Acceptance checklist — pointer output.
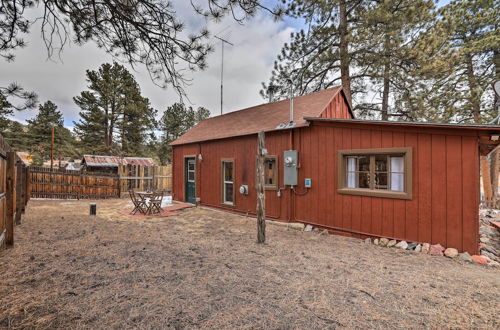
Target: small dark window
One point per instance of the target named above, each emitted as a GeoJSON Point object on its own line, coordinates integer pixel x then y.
{"type": "Point", "coordinates": [270, 173]}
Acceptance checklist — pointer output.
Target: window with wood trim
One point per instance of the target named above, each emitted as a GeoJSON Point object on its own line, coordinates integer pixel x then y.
{"type": "Point", "coordinates": [382, 172]}
{"type": "Point", "coordinates": [228, 182]}
{"type": "Point", "coordinates": [271, 172]}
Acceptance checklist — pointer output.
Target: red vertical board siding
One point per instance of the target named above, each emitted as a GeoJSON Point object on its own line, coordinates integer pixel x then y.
{"type": "Point", "coordinates": [376, 228]}
{"type": "Point", "coordinates": [438, 190]}
{"type": "Point", "coordinates": [356, 200]}
{"type": "Point", "coordinates": [366, 202]}
{"type": "Point", "coordinates": [454, 191]}
{"type": "Point", "coordinates": [470, 191]}
{"type": "Point", "coordinates": [399, 204]}
{"type": "Point", "coordinates": [411, 218]}
{"type": "Point", "coordinates": [387, 203]}
{"type": "Point", "coordinates": [337, 143]}
{"type": "Point", "coordinates": [346, 200]}
{"type": "Point", "coordinates": [425, 183]}
{"type": "Point", "coordinates": [445, 175]}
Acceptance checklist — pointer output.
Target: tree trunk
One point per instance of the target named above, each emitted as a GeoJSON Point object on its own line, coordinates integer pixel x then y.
{"type": "Point", "coordinates": [494, 173]}
{"type": "Point", "coordinates": [10, 198]}
{"type": "Point", "coordinates": [261, 197]}
{"type": "Point", "coordinates": [485, 173]}
{"type": "Point", "coordinates": [387, 73]}
{"type": "Point", "coordinates": [344, 50]}
{"type": "Point", "coordinates": [474, 97]}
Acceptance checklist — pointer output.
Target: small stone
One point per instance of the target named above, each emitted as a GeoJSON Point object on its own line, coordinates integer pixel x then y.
{"type": "Point", "coordinates": [484, 239]}
{"type": "Point", "coordinates": [368, 241]}
{"type": "Point", "coordinates": [480, 259]}
{"type": "Point", "coordinates": [402, 245]}
{"type": "Point", "coordinates": [391, 243]}
{"type": "Point", "coordinates": [383, 242]}
{"type": "Point", "coordinates": [425, 248]}
{"type": "Point", "coordinates": [487, 254]}
{"type": "Point", "coordinates": [375, 241]}
{"type": "Point", "coordinates": [412, 246]}
{"type": "Point", "coordinates": [418, 248]}
{"type": "Point", "coordinates": [465, 256]}
{"type": "Point", "coordinates": [308, 228]}
{"type": "Point", "coordinates": [451, 252]}
{"type": "Point", "coordinates": [436, 250]}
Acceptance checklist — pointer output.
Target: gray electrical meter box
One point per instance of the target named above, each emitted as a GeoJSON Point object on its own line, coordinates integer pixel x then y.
{"type": "Point", "coordinates": [291, 159]}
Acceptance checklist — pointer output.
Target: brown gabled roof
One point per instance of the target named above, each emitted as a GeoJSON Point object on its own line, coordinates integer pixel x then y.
{"type": "Point", "coordinates": [264, 117]}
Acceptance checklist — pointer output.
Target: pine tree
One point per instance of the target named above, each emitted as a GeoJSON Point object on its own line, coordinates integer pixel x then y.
{"type": "Point", "coordinates": [177, 120]}
{"type": "Point", "coordinates": [114, 118]}
{"type": "Point", "coordinates": [39, 133]}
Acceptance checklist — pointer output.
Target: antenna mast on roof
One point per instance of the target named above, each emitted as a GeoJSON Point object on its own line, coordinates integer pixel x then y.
{"type": "Point", "coordinates": [222, 72]}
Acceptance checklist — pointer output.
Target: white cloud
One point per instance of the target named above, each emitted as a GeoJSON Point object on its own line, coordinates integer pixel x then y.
{"type": "Point", "coordinates": [246, 65]}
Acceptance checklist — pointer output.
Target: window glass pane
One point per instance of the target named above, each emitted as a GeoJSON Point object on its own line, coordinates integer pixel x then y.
{"type": "Point", "coordinates": [351, 179]}
{"type": "Point", "coordinates": [228, 171]}
{"type": "Point", "coordinates": [363, 163]}
{"type": "Point", "coordinates": [381, 181]}
{"type": "Point", "coordinates": [397, 181]}
{"type": "Point", "coordinates": [363, 180]}
{"type": "Point", "coordinates": [351, 164]}
{"type": "Point", "coordinates": [191, 166]}
{"type": "Point", "coordinates": [228, 189]}
{"type": "Point", "coordinates": [397, 164]}
{"type": "Point", "coordinates": [381, 163]}
{"type": "Point", "coordinates": [190, 176]}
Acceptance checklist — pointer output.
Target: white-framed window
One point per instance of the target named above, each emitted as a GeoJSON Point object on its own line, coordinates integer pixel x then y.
{"type": "Point", "coordinates": [228, 181]}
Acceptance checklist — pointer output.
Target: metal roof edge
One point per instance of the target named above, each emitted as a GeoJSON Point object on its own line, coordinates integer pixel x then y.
{"type": "Point", "coordinates": [407, 123]}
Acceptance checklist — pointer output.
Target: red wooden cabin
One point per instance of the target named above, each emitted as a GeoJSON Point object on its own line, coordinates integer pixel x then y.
{"type": "Point", "coordinates": [417, 182]}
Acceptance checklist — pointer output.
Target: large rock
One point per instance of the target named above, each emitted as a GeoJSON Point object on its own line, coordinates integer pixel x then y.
{"type": "Point", "coordinates": [308, 228]}
{"type": "Point", "coordinates": [391, 243]}
{"type": "Point", "coordinates": [368, 241]}
{"type": "Point", "coordinates": [493, 264]}
{"type": "Point", "coordinates": [402, 245]}
{"type": "Point", "coordinates": [480, 259]}
{"type": "Point", "coordinates": [436, 250]}
{"type": "Point", "coordinates": [418, 248]}
{"type": "Point", "coordinates": [375, 241]}
{"type": "Point", "coordinates": [465, 257]}
{"type": "Point", "coordinates": [451, 252]}
{"type": "Point", "coordinates": [383, 242]}
{"type": "Point", "coordinates": [425, 248]}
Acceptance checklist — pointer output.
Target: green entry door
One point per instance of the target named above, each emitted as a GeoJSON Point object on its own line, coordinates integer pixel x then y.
{"type": "Point", "coordinates": [190, 176]}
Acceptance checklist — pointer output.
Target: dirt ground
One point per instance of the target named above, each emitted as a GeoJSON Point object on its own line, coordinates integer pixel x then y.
{"type": "Point", "coordinates": [203, 269]}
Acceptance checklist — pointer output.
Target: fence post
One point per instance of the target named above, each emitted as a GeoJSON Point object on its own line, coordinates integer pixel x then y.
{"type": "Point", "coordinates": [9, 199]}
{"type": "Point", "coordinates": [19, 191]}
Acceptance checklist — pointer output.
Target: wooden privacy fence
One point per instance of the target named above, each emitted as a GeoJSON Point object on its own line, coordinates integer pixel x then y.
{"type": "Point", "coordinates": [69, 184]}
{"type": "Point", "coordinates": [139, 177]}
{"type": "Point", "coordinates": [14, 192]}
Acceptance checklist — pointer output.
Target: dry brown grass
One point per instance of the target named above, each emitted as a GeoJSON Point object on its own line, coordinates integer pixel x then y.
{"type": "Point", "coordinates": [203, 269]}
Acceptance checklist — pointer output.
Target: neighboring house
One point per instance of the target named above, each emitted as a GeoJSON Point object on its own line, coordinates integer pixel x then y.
{"type": "Point", "coordinates": [109, 164]}
{"type": "Point", "coordinates": [25, 157]}
{"type": "Point", "coordinates": [410, 181]}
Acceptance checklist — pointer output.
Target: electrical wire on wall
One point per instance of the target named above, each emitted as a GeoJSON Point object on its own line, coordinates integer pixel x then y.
{"type": "Point", "coordinates": [300, 193]}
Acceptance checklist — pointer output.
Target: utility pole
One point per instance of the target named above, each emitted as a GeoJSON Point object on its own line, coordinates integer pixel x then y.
{"type": "Point", "coordinates": [222, 72]}
{"type": "Point", "coordinates": [52, 150]}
